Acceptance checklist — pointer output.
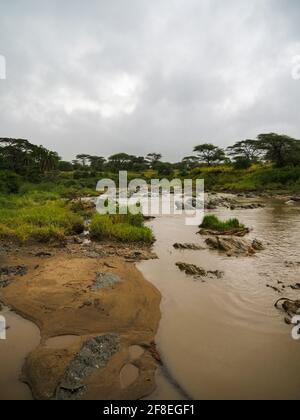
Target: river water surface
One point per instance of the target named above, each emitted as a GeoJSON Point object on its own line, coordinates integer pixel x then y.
{"type": "Point", "coordinates": [223, 339]}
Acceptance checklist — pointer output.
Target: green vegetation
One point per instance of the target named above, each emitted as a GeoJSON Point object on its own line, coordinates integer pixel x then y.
{"type": "Point", "coordinates": [32, 218]}
{"type": "Point", "coordinates": [211, 222]}
{"type": "Point", "coordinates": [123, 228]}
{"type": "Point", "coordinates": [38, 190]}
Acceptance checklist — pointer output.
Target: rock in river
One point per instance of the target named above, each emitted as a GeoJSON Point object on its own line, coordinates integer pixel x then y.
{"type": "Point", "coordinates": [234, 246]}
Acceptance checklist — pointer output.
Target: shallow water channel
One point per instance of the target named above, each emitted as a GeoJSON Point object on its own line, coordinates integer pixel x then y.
{"type": "Point", "coordinates": [223, 338]}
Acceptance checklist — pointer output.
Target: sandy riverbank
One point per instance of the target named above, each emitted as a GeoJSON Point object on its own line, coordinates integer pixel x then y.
{"type": "Point", "coordinates": [110, 355]}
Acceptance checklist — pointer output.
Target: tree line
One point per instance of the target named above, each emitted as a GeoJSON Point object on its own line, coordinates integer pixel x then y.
{"type": "Point", "coordinates": [26, 159]}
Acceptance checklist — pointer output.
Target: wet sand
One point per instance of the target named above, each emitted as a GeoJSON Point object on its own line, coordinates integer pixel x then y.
{"type": "Point", "coordinates": [57, 295]}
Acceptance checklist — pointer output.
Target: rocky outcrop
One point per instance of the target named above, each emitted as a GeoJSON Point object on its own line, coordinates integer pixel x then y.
{"type": "Point", "coordinates": [192, 247]}
{"type": "Point", "coordinates": [234, 246]}
{"type": "Point", "coordinates": [290, 307]}
{"type": "Point", "coordinates": [233, 232]}
{"type": "Point", "coordinates": [104, 281]}
{"type": "Point", "coordinates": [193, 270]}
{"type": "Point", "coordinates": [7, 273]}
{"type": "Point", "coordinates": [94, 355]}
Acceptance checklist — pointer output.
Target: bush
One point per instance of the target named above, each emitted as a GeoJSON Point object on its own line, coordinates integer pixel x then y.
{"type": "Point", "coordinates": [9, 182]}
{"type": "Point", "coordinates": [242, 163]}
{"type": "Point", "coordinates": [123, 228]}
{"type": "Point", "coordinates": [213, 223]}
{"type": "Point", "coordinates": [25, 219]}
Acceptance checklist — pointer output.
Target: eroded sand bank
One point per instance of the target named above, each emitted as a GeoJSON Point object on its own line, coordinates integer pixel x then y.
{"type": "Point", "coordinates": [58, 294]}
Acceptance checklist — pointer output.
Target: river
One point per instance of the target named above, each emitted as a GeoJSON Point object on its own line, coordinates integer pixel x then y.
{"type": "Point", "coordinates": [223, 339]}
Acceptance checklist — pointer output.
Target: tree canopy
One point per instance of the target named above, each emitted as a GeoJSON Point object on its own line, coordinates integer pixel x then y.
{"type": "Point", "coordinates": [209, 154]}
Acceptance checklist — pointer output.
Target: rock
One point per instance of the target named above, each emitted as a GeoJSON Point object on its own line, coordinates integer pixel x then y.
{"type": "Point", "coordinates": [43, 254]}
{"type": "Point", "coordinates": [274, 288]}
{"type": "Point", "coordinates": [94, 354]}
{"type": "Point", "coordinates": [250, 206]}
{"type": "Point", "coordinates": [105, 280]}
{"type": "Point", "coordinates": [4, 283]}
{"type": "Point", "coordinates": [288, 321]}
{"type": "Point", "coordinates": [191, 269]}
{"type": "Point", "coordinates": [216, 273]}
{"type": "Point", "coordinates": [19, 270]}
{"type": "Point", "coordinates": [296, 286]}
{"type": "Point", "coordinates": [192, 247]}
{"type": "Point", "coordinates": [233, 246]}
{"type": "Point", "coordinates": [78, 240]}
{"type": "Point", "coordinates": [257, 245]}
{"type": "Point", "coordinates": [7, 272]}
{"type": "Point", "coordinates": [233, 232]}
{"type": "Point", "coordinates": [291, 307]}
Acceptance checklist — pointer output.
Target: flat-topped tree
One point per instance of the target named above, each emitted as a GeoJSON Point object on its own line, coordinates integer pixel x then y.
{"type": "Point", "coordinates": [210, 154]}
{"type": "Point", "coordinates": [97, 162]}
{"type": "Point", "coordinates": [83, 159]}
{"type": "Point", "coordinates": [281, 150]}
{"type": "Point", "coordinates": [245, 149]}
{"type": "Point", "coordinates": [153, 159]}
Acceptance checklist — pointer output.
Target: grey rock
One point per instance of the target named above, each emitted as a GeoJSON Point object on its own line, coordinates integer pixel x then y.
{"type": "Point", "coordinates": [105, 280]}
{"type": "Point", "coordinates": [94, 354]}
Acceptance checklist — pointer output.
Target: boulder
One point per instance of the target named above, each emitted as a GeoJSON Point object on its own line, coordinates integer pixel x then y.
{"type": "Point", "coordinates": [234, 246]}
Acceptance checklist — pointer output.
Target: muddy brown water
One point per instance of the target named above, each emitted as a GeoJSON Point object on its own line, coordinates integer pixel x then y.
{"type": "Point", "coordinates": [22, 337]}
{"type": "Point", "coordinates": [223, 339]}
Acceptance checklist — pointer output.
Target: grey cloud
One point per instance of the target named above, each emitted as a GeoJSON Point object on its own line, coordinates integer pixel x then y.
{"type": "Point", "coordinates": [140, 76]}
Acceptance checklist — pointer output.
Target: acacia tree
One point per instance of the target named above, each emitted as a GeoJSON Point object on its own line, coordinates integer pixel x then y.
{"type": "Point", "coordinates": [121, 161]}
{"type": "Point", "coordinates": [209, 153]}
{"type": "Point", "coordinates": [96, 162]}
{"type": "Point", "coordinates": [83, 159]}
{"type": "Point", "coordinates": [245, 149]}
{"type": "Point", "coordinates": [282, 150]}
{"type": "Point", "coordinates": [153, 159]}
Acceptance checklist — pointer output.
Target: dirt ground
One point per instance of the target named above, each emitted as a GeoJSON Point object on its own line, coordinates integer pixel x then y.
{"type": "Point", "coordinates": [57, 295]}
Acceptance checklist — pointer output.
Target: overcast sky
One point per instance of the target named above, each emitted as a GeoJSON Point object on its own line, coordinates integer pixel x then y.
{"type": "Point", "coordinates": [141, 76]}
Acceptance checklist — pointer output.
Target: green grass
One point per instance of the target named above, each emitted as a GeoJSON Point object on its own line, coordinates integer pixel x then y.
{"type": "Point", "coordinates": [122, 228]}
{"type": "Point", "coordinates": [213, 223]}
{"type": "Point", "coordinates": [35, 218]}
{"type": "Point", "coordinates": [258, 177]}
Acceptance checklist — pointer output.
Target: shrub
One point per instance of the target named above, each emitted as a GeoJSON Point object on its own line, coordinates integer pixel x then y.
{"type": "Point", "coordinates": [123, 228]}
{"type": "Point", "coordinates": [9, 182]}
{"type": "Point", "coordinates": [242, 163]}
{"type": "Point", "coordinates": [25, 219]}
{"type": "Point", "coordinates": [213, 223]}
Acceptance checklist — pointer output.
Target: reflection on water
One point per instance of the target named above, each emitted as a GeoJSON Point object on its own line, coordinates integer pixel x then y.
{"type": "Point", "coordinates": [223, 339]}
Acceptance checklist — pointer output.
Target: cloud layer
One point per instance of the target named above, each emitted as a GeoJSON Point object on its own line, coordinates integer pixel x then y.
{"type": "Point", "coordinates": [148, 76]}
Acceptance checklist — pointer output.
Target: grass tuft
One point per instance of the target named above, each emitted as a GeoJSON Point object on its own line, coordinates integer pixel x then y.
{"type": "Point", "coordinates": [213, 223]}
{"type": "Point", "coordinates": [122, 228]}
